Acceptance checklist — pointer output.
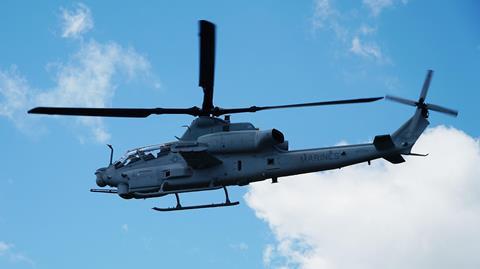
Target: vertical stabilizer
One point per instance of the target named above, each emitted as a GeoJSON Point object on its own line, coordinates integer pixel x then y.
{"type": "Point", "coordinates": [406, 136]}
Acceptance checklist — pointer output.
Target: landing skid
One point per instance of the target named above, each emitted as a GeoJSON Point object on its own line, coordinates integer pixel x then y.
{"type": "Point", "coordinates": [180, 207]}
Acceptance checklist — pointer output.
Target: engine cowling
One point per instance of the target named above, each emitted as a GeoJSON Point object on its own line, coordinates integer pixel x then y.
{"type": "Point", "coordinates": [241, 141]}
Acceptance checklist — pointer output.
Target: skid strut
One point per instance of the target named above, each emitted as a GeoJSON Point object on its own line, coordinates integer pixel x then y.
{"type": "Point", "coordinates": [180, 207]}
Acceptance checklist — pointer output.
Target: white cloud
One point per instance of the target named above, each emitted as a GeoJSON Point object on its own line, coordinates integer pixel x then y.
{"type": "Point", "coordinates": [21, 258]}
{"type": "Point", "coordinates": [424, 213]}
{"type": "Point", "coordinates": [4, 247]}
{"type": "Point", "coordinates": [76, 22]}
{"type": "Point", "coordinates": [7, 250]}
{"type": "Point", "coordinates": [267, 255]}
{"type": "Point", "coordinates": [353, 28]}
{"type": "Point", "coordinates": [88, 78]}
{"type": "Point", "coordinates": [327, 17]}
{"type": "Point", "coordinates": [368, 50]}
{"type": "Point", "coordinates": [367, 30]}
{"type": "Point", "coordinates": [15, 99]}
{"type": "Point", "coordinates": [376, 6]}
{"type": "Point", "coordinates": [14, 93]}
{"type": "Point", "coordinates": [242, 246]}
{"type": "Point", "coordinates": [322, 13]}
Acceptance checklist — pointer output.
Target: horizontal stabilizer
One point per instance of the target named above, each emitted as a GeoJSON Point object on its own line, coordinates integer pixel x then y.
{"type": "Point", "coordinates": [397, 158]}
{"type": "Point", "coordinates": [200, 159]}
{"type": "Point", "coordinates": [383, 142]}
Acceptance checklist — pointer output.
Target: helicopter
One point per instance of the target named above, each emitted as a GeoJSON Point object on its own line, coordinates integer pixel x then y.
{"type": "Point", "coordinates": [215, 153]}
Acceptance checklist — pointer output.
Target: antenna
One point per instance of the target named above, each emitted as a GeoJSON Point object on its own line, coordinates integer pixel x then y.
{"type": "Point", "coordinates": [111, 153]}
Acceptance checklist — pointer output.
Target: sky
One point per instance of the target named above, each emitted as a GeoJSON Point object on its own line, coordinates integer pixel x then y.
{"type": "Point", "coordinates": [420, 214]}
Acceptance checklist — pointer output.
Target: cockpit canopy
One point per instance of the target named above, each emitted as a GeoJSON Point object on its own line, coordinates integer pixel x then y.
{"type": "Point", "coordinates": [144, 153]}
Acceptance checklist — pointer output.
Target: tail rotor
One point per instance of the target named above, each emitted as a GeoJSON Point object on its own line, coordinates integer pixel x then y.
{"type": "Point", "coordinates": [420, 104]}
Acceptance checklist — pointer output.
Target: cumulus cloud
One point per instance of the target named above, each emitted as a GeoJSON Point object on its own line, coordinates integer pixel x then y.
{"type": "Point", "coordinates": [424, 213]}
{"type": "Point", "coordinates": [76, 22]}
{"type": "Point", "coordinates": [88, 78]}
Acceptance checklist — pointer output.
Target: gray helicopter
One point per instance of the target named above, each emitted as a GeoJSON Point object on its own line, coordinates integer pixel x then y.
{"type": "Point", "coordinates": [214, 153]}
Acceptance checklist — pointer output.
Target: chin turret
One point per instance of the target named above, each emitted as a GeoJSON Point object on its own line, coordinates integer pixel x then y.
{"type": "Point", "coordinates": [100, 177]}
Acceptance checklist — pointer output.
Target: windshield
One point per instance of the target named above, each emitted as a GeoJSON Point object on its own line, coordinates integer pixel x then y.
{"type": "Point", "coordinates": [144, 153]}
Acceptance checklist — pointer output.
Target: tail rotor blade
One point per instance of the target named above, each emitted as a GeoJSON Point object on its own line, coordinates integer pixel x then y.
{"type": "Point", "coordinates": [442, 109]}
{"type": "Point", "coordinates": [426, 85]}
{"type": "Point", "coordinates": [401, 100]}
{"type": "Point", "coordinates": [207, 62]}
{"type": "Point", "coordinates": [420, 104]}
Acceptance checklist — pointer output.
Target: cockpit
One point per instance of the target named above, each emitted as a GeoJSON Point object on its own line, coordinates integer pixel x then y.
{"type": "Point", "coordinates": [144, 153]}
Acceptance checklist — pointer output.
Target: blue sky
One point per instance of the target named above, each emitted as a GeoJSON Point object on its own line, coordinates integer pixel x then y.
{"type": "Point", "coordinates": [128, 54]}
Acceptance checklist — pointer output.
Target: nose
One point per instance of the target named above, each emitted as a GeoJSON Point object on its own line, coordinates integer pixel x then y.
{"type": "Point", "coordinates": [100, 177]}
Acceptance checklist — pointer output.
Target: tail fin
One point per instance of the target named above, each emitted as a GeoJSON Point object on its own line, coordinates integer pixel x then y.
{"type": "Point", "coordinates": [406, 136]}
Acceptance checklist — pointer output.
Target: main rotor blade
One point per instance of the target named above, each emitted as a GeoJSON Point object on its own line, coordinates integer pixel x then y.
{"type": "Point", "coordinates": [113, 112]}
{"type": "Point", "coordinates": [207, 63]}
{"type": "Point", "coordinates": [221, 111]}
{"type": "Point", "coordinates": [426, 85]}
{"type": "Point", "coordinates": [401, 100]}
{"type": "Point", "coordinates": [442, 109]}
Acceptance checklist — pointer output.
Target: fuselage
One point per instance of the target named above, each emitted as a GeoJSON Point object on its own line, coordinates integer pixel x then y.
{"type": "Point", "coordinates": [214, 153]}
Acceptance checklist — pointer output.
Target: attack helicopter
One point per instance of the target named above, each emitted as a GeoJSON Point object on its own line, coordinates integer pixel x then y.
{"type": "Point", "coordinates": [215, 153]}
